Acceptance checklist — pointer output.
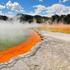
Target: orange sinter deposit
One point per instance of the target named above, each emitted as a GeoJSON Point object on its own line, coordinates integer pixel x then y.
{"type": "Point", "coordinates": [20, 49]}
{"type": "Point", "coordinates": [64, 28]}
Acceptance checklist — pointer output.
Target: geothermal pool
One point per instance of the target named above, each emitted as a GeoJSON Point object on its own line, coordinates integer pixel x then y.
{"type": "Point", "coordinates": [12, 35]}
{"type": "Point", "coordinates": [16, 40]}
{"type": "Point", "coordinates": [12, 40]}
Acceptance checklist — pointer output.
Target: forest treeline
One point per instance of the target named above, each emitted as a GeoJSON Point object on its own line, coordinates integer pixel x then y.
{"type": "Point", "coordinates": [55, 19]}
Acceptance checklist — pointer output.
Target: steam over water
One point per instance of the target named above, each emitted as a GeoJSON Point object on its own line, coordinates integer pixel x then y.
{"type": "Point", "coordinates": [12, 33]}
{"type": "Point", "coordinates": [11, 30]}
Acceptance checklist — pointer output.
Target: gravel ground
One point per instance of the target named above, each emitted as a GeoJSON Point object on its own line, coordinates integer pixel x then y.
{"type": "Point", "coordinates": [51, 54]}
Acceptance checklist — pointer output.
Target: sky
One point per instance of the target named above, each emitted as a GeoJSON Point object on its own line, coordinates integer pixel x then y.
{"type": "Point", "coordinates": [35, 7]}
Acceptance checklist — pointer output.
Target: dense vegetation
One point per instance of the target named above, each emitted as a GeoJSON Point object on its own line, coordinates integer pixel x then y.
{"type": "Point", "coordinates": [55, 19]}
{"type": "Point", "coordinates": [3, 17]}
